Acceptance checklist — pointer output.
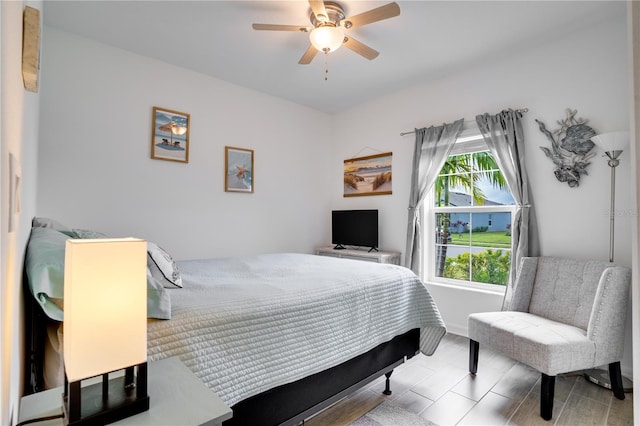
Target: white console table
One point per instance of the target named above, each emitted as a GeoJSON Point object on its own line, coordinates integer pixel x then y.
{"type": "Point", "coordinates": [392, 257]}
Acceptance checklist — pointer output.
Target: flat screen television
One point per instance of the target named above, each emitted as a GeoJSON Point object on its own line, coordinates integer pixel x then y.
{"type": "Point", "coordinates": [354, 228]}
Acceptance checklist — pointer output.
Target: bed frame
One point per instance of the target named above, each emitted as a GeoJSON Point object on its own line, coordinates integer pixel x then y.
{"type": "Point", "coordinates": [288, 404]}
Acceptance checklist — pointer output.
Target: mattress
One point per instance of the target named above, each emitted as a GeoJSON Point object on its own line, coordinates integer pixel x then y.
{"type": "Point", "coordinates": [247, 324]}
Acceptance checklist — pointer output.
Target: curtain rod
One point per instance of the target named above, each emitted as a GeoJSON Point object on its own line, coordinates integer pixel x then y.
{"type": "Point", "coordinates": [521, 110]}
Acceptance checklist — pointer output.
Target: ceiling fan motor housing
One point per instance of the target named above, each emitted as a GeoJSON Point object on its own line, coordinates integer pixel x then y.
{"type": "Point", "coordinates": [335, 14]}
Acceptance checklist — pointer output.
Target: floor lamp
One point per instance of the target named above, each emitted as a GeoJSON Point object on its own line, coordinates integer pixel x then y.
{"type": "Point", "coordinates": [613, 144]}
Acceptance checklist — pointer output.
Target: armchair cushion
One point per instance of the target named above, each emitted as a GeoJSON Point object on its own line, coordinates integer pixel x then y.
{"type": "Point", "coordinates": [546, 345]}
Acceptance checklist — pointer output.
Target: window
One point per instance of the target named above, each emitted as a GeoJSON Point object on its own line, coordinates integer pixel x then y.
{"type": "Point", "coordinates": [470, 242]}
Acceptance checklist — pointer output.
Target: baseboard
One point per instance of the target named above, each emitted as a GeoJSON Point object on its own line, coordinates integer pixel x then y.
{"type": "Point", "coordinates": [459, 330]}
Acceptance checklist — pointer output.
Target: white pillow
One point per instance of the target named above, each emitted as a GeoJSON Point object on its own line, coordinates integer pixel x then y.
{"type": "Point", "coordinates": [162, 266]}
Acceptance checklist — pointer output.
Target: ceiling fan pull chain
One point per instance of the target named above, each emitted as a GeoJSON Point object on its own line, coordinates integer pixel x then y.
{"type": "Point", "coordinates": [326, 66]}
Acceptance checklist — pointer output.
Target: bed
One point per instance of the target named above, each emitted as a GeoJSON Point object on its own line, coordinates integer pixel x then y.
{"type": "Point", "coordinates": [278, 337]}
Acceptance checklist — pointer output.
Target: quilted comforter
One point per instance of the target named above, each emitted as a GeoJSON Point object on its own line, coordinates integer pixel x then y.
{"type": "Point", "coordinates": [245, 325]}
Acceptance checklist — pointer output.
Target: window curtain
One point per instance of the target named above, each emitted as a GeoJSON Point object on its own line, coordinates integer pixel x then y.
{"type": "Point", "coordinates": [432, 147]}
{"type": "Point", "coordinates": [503, 134]}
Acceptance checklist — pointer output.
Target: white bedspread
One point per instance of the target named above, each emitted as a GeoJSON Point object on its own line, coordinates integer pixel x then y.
{"type": "Point", "coordinates": [245, 325]}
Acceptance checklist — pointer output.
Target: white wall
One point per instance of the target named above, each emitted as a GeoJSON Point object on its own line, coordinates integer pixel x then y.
{"type": "Point", "coordinates": [586, 71]}
{"type": "Point", "coordinates": [19, 129]}
{"type": "Point", "coordinates": [96, 171]}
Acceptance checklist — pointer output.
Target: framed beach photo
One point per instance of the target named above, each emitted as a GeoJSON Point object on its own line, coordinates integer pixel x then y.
{"type": "Point", "coordinates": [369, 175]}
{"type": "Point", "coordinates": [170, 135]}
{"type": "Point", "coordinates": [238, 166]}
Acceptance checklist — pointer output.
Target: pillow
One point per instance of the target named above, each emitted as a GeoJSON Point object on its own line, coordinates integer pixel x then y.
{"type": "Point", "coordinates": [45, 222]}
{"type": "Point", "coordinates": [44, 264]}
{"type": "Point", "coordinates": [86, 233]}
{"type": "Point", "coordinates": [162, 266]}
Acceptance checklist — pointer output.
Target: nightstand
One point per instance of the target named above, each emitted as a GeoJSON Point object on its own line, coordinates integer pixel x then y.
{"type": "Point", "coordinates": [177, 396]}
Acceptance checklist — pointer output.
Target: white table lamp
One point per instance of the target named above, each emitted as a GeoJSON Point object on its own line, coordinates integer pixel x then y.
{"type": "Point", "coordinates": [105, 329]}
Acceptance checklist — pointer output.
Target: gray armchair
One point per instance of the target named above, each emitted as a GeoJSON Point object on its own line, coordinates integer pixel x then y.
{"type": "Point", "coordinates": [565, 315]}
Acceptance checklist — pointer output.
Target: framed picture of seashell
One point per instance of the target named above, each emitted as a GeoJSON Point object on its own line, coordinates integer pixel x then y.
{"type": "Point", "coordinates": [238, 166]}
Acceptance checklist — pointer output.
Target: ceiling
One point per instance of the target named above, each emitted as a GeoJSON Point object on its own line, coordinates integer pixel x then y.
{"type": "Point", "coordinates": [428, 40]}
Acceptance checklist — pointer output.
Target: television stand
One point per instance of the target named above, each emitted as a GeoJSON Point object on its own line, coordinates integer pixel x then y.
{"type": "Point", "coordinates": [341, 247]}
{"type": "Point", "coordinates": [392, 257]}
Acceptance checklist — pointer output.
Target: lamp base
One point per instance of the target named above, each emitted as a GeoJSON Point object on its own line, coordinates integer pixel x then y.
{"type": "Point", "coordinates": [601, 378]}
{"type": "Point", "coordinates": [107, 401]}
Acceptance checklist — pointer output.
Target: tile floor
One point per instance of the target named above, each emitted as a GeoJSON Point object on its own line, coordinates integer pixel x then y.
{"type": "Point", "coordinates": [504, 392]}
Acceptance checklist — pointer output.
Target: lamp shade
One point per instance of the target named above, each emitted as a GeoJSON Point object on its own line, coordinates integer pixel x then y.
{"type": "Point", "coordinates": [327, 38]}
{"type": "Point", "coordinates": [614, 141]}
{"type": "Point", "coordinates": [105, 306]}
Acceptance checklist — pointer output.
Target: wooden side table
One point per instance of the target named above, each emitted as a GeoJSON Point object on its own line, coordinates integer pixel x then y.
{"type": "Point", "coordinates": [177, 396]}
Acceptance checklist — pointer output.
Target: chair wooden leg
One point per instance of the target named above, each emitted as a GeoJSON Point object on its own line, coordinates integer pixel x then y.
{"type": "Point", "coordinates": [547, 388]}
{"type": "Point", "coordinates": [473, 356]}
{"type": "Point", "coordinates": [615, 375]}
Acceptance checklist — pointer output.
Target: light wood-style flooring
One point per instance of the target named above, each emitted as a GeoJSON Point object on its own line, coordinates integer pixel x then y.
{"type": "Point", "coordinates": [504, 392]}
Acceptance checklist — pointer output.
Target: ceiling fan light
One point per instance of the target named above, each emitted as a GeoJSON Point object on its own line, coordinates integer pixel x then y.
{"type": "Point", "coordinates": [327, 38]}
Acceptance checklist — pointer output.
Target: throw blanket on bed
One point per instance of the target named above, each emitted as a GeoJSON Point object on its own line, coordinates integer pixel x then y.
{"type": "Point", "coordinates": [245, 325]}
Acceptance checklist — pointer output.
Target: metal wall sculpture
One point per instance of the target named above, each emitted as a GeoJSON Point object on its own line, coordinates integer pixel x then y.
{"type": "Point", "coordinates": [571, 147]}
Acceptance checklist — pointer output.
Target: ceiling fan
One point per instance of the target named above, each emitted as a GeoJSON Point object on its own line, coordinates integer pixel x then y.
{"type": "Point", "coordinates": [327, 32]}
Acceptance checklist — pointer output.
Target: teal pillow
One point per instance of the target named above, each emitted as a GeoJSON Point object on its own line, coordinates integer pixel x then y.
{"type": "Point", "coordinates": [45, 222]}
{"type": "Point", "coordinates": [87, 233]}
{"type": "Point", "coordinates": [44, 265]}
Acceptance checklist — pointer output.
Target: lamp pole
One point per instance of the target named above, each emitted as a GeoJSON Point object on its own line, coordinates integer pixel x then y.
{"type": "Point", "coordinates": [597, 375]}
{"type": "Point", "coordinates": [613, 163]}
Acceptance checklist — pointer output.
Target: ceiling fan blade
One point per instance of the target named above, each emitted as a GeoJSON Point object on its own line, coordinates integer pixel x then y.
{"type": "Point", "coordinates": [271, 27]}
{"type": "Point", "coordinates": [308, 56]}
{"type": "Point", "coordinates": [378, 14]}
{"type": "Point", "coordinates": [320, 12]}
{"type": "Point", "coordinates": [360, 48]}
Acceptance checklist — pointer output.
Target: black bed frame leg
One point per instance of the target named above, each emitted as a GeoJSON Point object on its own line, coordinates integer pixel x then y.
{"type": "Point", "coordinates": [387, 385]}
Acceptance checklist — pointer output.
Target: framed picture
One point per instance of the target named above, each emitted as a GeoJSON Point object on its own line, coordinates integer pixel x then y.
{"type": "Point", "coordinates": [369, 175]}
{"type": "Point", "coordinates": [170, 135]}
{"type": "Point", "coordinates": [238, 166]}
{"type": "Point", "coordinates": [30, 48]}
